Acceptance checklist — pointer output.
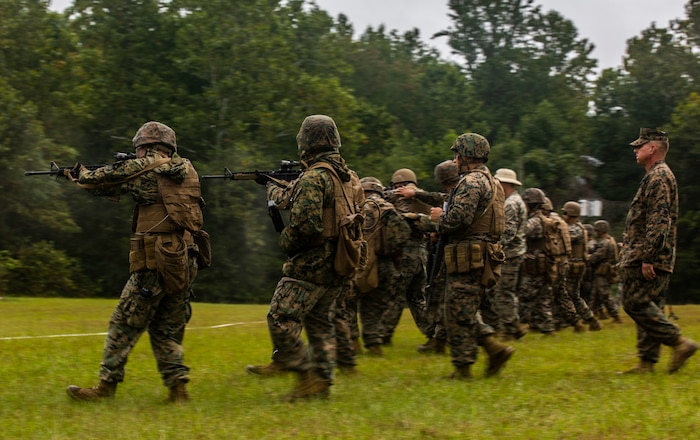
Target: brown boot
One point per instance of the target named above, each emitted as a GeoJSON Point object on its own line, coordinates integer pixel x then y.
{"type": "Point", "coordinates": [433, 345]}
{"type": "Point", "coordinates": [644, 367]}
{"type": "Point", "coordinates": [311, 386]}
{"type": "Point", "coordinates": [357, 346]}
{"type": "Point", "coordinates": [461, 373]}
{"type": "Point", "coordinates": [594, 325]}
{"type": "Point", "coordinates": [101, 391]}
{"type": "Point", "coordinates": [274, 368]}
{"type": "Point", "coordinates": [579, 327]}
{"type": "Point", "coordinates": [603, 315]}
{"type": "Point", "coordinates": [498, 354]}
{"type": "Point", "coordinates": [617, 320]}
{"type": "Point", "coordinates": [178, 392]}
{"type": "Point", "coordinates": [682, 351]}
{"type": "Point", "coordinates": [375, 350]}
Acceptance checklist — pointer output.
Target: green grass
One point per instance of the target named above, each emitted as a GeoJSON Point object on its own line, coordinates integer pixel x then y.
{"type": "Point", "coordinates": [563, 387]}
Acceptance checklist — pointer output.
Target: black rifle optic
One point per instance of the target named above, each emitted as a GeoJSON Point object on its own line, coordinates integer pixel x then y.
{"type": "Point", "coordinates": [58, 171]}
{"type": "Point", "coordinates": [289, 170]}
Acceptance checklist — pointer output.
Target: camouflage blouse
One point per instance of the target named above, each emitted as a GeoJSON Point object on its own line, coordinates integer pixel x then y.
{"type": "Point", "coordinates": [650, 229]}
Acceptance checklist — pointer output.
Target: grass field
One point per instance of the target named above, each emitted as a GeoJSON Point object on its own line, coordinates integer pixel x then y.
{"type": "Point", "coordinates": [564, 387]}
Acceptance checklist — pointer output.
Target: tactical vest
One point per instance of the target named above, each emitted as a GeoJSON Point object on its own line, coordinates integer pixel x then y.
{"type": "Point", "coordinates": [176, 208]}
{"type": "Point", "coordinates": [492, 221]}
{"type": "Point", "coordinates": [578, 249]}
{"type": "Point", "coordinates": [341, 206]}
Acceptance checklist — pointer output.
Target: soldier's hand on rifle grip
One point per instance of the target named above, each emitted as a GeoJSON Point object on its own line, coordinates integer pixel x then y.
{"type": "Point", "coordinates": [261, 179]}
{"type": "Point", "coordinates": [75, 171]}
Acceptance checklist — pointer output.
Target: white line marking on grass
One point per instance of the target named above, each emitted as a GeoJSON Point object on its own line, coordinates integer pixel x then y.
{"type": "Point", "coordinates": [74, 335]}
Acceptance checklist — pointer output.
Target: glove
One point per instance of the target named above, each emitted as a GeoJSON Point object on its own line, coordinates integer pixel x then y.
{"type": "Point", "coordinates": [261, 179]}
{"type": "Point", "coordinates": [75, 171]}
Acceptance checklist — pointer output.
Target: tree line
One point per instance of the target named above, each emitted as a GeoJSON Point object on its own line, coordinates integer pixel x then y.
{"type": "Point", "coordinates": [235, 80]}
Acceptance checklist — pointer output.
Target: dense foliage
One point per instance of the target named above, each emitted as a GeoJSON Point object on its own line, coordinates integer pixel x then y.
{"type": "Point", "coordinates": [235, 79]}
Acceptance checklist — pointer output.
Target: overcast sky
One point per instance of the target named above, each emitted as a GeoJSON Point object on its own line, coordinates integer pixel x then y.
{"type": "Point", "coordinates": [606, 23]}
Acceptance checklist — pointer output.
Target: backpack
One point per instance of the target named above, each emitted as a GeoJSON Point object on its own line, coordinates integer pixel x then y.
{"type": "Point", "coordinates": [367, 279]}
{"type": "Point", "coordinates": [351, 250]}
{"type": "Point", "coordinates": [556, 237]}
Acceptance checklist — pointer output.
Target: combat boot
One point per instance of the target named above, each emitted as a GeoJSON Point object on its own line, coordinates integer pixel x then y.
{"type": "Point", "coordinates": [178, 392]}
{"type": "Point", "coordinates": [357, 346]}
{"type": "Point", "coordinates": [602, 315]}
{"type": "Point", "coordinates": [617, 319]}
{"type": "Point", "coordinates": [461, 373]}
{"type": "Point", "coordinates": [311, 386]}
{"type": "Point", "coordinates": [594, 325]}
{"type": "Point", "coordinates": [274, 368]}
{"type": "Point", "coordinates": [683, 349]}
{"type": "Point", "coordinates": [498, 354]}
{"type": "Point", "coordinates": [101, 391]}
{"type": "Point", "coordinates": [644, 367]}
{"type": "Point", "coordinates": [579, 327]}
{"type": "Point", "coordinates": [375, 350]}
{"type": "Point", "coordinates": [434, 345]}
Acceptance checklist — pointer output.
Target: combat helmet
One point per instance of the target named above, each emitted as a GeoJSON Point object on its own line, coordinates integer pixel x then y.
{"type": "Point", "coordinates": [472, 145]}
{"type": "Point", "coordinates": [372, 184]}
{"type": "Point", "coordinates": [572, 209]}
{"type": "Point", "coordinates": [446, 173]}
{"type": "Point", "coordinates": [547, 205]}
{"type": "Point", "coordinates": [404, 175]}
{"type": "Point", "coordinates": [153, 132]}
{"type": "Point", "coordinates": [533, 196]}
{"type": "Point", "coordinates": [318, 133]}
{"type": "Point", "coordinates": [601, 226]}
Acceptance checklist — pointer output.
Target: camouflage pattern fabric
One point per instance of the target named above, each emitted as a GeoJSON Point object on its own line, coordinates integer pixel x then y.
{"type": "Point", "coordinates": [602, 253]}
{"type": "Point", "coordinates": [535, 290]}
{"type": "Point", "coordinates": [464, 292]}
{"type": "Point", "coordinates": [373, 305]}
{"type": "Point", "coordinates": [344, 324]}
{"type": "Point", "coordinates": [650, 236]}
{"type": "Point", "coordinates": [563, 309]}
{"type": "Point", "coordinates": [143, 305]}
{"type": "Point", "coordinates": [306, 295]}
{"type": "Point", "coordinates": [573, 281]}
{"type": "Point", "coordinates": [503, 297]}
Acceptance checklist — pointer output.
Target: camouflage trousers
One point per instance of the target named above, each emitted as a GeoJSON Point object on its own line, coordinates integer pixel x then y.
{"type": "Point", "coordinates": [463, 322]}
{"type": "Point", "coordinates": [410, 291]}
{"type": "Point", "coordinates": [573, 289]}
{"type": "Point", "coordinates": [436, 310]}
{"type": "Point", "coordinates": [644, 302]}
{"type": "Point", "coordinates": [144, 306]}
{"type": "Point", "coordinates": [535, 302]}
{"type": "Point", "coordinates": [563, 308]}
{"type": "Point", "coordinates": [502, 313]}
{"type": "Point", "coordinates": [601, 297]}
{"type": "Point", "coordinates": [345, 324]}
{"type": "Point", "coordinates": [298, 305]}
{"type": "Point", "coordinates": [373, 305]}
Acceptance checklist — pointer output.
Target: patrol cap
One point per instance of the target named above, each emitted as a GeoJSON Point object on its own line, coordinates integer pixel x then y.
{"type": "Point", "coordinates": [649, 134]}
{"type": "Point", "coordinates": [507, 175]}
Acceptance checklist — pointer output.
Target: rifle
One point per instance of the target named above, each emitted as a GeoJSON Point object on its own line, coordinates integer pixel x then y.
{"type": "Point", "coordinates": [287, 172]}
{"type": "Point", "coordinates": [438, 256]}
{"type": "Point", "coordinates": [55, 170]}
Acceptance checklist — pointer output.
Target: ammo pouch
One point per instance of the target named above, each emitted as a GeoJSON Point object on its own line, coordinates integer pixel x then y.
{"type": "Point", "coordinates": [576, 269]}
{"type": "Point", "coordinates": [172, 262]}
{"type": "Point", "coordinates": [495, 257]}
{"type": "Point", "coordinates": [142, 253]}
{"type": "Point", "coordinates": [463, 257]}
{"type": "Point", "coordinates": [535, 264]}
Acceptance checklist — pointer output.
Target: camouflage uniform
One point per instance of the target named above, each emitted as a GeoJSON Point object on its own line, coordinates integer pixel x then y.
{"type": "Point", "coordinates": [577, 268]}
{"type": "Point", "coordinates": [464, 291]}
{"type": "Point", "coordinates": [535, 289]}
{"type": "Point", "coordinates": [395, 232]}
{"type": "Point", "coordinates": [602, 258]}
{"type": "Point", "coordinates": [305, 296]}
{"type": "Point", "coordinates": [563, 308]}
{"type": "Point", "coordinates": [650, 236]}
{"type": "Point", "coordinates": [503, 297]}
{"type": "Point", "coordinates": [413, 267]}
{"type": "Point", "coordinates": [147, 303]}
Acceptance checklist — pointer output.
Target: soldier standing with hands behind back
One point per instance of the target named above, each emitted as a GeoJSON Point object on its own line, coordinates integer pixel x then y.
{"type": "Point", "coordinates": [649, 254]}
